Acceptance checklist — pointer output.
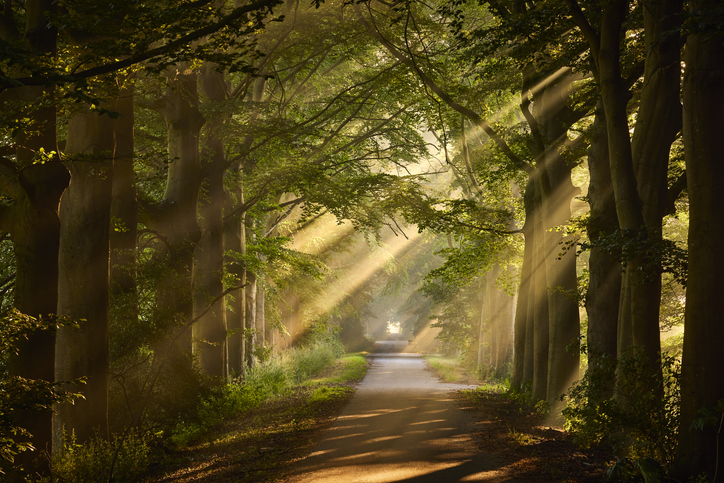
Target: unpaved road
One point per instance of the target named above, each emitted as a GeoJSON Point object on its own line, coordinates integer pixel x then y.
{"type": "Point", "coordinates": [402, 425]}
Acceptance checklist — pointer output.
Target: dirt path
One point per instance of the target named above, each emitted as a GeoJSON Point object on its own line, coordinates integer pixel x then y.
{"type": "Point", "coordinates": [402, 425]}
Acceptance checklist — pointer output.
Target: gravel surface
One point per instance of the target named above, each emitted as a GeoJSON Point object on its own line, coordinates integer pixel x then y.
{"type": "Point", "coordinates": [402, 425]}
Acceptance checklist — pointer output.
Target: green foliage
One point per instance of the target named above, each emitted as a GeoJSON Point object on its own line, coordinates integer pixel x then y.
{"type": "Point", "coordinates": [354, 367]}
{"type": "Point", "coordinates": [122, 459]}
{"type": "Point", "coordinates": [659, 255]}
{"type": "Point", "coordinates": [628, 469]}
{"type": "Point", "coordinates": [314, 357]}
{"type": "Point", "coordinates": [638, 422]}
{"type": "Point", "coordinates": [155, 389]}
{"type": "Point", "coordinates": [19, 393]}
{"type": "Point", "coordinates": [326, 394]}
{"type": "Point", "coordinates": [264, 381]}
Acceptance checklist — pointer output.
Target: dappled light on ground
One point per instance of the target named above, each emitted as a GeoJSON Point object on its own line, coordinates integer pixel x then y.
{"type": "Point", "coordinates": [402, 425]}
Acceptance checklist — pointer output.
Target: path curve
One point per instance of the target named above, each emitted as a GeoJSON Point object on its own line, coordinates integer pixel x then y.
{"type": "Point", "coordinates": [402, 425]}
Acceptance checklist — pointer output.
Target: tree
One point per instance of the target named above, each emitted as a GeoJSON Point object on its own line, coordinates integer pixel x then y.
{"type": "Point", "coordinates": [699, 449]}
{"type": "Point", "coordinates": [34, 181]}
{"type": "Point", "coordinates": [83, 286]}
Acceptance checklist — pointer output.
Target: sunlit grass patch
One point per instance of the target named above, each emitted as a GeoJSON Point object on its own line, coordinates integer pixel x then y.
{"type": "Point", "coordinates": [447, 367]}
{"type": "Point", "coordinates": [258, 444]}
{"type": "Point", "coordinates": [349, 368]}
{"type": "Point", "coordinates": [522, 438]}
{"type": "Point", "coordinates": [326, 394]}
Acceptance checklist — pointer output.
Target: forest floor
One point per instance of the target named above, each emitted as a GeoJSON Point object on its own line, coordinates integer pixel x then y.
{"type": "Point", "coordinates": [262, 445]}
{"type": "Point", "coordinates": [537, 450]}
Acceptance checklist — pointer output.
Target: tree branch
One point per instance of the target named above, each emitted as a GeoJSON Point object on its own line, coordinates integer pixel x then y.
{"type": "Point", "coordinates": [445, 97]}
{"type": "Point", "coordinates": [171, 46]}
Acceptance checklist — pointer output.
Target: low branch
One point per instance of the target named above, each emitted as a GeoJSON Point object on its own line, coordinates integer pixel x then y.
{"type": "Point", "coordinates": [236, 14]}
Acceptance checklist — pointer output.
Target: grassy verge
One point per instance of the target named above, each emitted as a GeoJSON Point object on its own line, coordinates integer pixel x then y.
{"type": "Point", "coordinates": [262, 442]}
{"type": "Point", "coordinates": [452, 369]}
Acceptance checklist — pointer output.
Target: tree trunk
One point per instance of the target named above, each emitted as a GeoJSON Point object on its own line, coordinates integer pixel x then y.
{"type": "Point", "coordinates": [36, 241]}
{"type": "Point", "coordinates": [210, 330]}
{"type": "Point", "coordinates": [124, 217]}
{"type": "Point", "coordinates": [35, 228]}
{"type": "Point", "coordinates": [250, 318]}
{"type": "Point", "coordinates": [530, 242]}
{"type": "Point", "coordinates": [602, 298]}
{"type": "Point", "coordinates": [481, 322]}
{"type": "Point", "coordinates": [540, 304]}
{"type": "Point", "coordinates": [638, 168]}
{"type": "Point", "coordinates": [178, 222]}
{"type": "Point", "coordinates": [234, 240]}
{"type": "Point", "coordinates": [702, 385]}
{"type": "Point", "coordinates": [520, 339]}
{"type": "Point", "coordinates": [260, 317]}
{"type": "Point", "coordinates": [83, 287]}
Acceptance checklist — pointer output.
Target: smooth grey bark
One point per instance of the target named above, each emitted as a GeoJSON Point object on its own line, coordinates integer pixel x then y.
{"type": "Point", "coordinates": [602, 297]}
{"type": "Point", "coordinates": [35, 190]}
{"type": "Point", "coordinates": [261, 325]}
{"type": "Point", "coordinates": [124, 214]}
{"type": "Point", "coordinates": [541, 314]}
{"type": "Point", "coordinates": [520, 338]}
{"type": "Point", "coordinates": [702, 385]}
{"type": "Point", "coordinates": [529, 296]}
{"type": "Point", "coordinates": [250, 330]}
{"type": "Point", "coordinates": [657, 124]}
{"type": "Point", "coordinates": [176, 217]}
{"type": "Point", "coordinates": [83, 287]}
{"type": "Point", "coordinates": [210, 331]}
{"type": "Point", "coordinates": [234, 241]}
{"type": "Point", "coordinates": [638, 167]}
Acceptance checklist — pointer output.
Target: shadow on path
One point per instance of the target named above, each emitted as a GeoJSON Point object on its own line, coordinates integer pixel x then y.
{"type": "Point", "coordinates": [402, 425]}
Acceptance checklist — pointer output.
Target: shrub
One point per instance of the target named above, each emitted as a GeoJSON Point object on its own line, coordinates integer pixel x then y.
{"type": "Point", "coordinates": [264, 381]}
{"type": "Point", "coordinates": [19, 394]}
{"type": "Point", "coordinates": [638, 423]}
{"type": "Point", "coordinates": [127, 458]}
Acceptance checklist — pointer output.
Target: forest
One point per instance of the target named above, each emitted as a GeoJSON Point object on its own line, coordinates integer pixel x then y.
{"type": "Point", "coordinates": [192, 189]}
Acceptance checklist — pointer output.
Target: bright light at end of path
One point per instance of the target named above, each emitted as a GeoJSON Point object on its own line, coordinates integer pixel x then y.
{"type": "Point", "coordinates": [394, 327]}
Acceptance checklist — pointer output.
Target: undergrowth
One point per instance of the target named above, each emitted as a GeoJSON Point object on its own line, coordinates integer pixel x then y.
{"type": "Point", "coordinates": [639, 422]}
{"type": "Point", "coordinates": [128, 457]}
{"type": "Point", "coordinates": [122, 459]}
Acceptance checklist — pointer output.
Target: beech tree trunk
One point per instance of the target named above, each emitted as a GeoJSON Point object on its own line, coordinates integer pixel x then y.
{"type": "Point", "coordinates": [234, 240]}
{"type": "Point", "coordinates": [177, 218]}
{"type": "Point", "coordinates": [638, 167]}
{"type": "Point", "coordinates": [83, 288]}
{"type": "Point", "coordinates": [35, 189]}
{"type": "Point", "coordinates": [250, 318]}
{"type": "Point", "coordinates": [702, 385]}
{"type": "Point", "coordinates": [541, 319]}
{"type": "Point", "coordinates": [520, 338]}
{"type": "Point", "coordinates": [124, 216]}
{"type": "Point", "coordinates": [209, 331]}
{"type": "Point", "coordinates": [261, 331]}
{"type": "Point", "coordinates": [529, 295]}
{"type": "Point", "coordinates": [35, 227]}
{"type": "Point", "coordinates": [657, 124]}
{"type": "Point", "coordinates": [602, 298]}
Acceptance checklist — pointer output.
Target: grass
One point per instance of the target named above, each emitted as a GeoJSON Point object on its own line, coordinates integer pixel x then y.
{"type": "Point", "coordinates": [447, 368]}
{"type": "Point", "coordinates": [348, 368]}
{"type": "Point", "coordinates": [273, 412]}
{"type": "Point", "coordinates": [452, 369]}
{"type": "Point", "coordinates": [261, 442]}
